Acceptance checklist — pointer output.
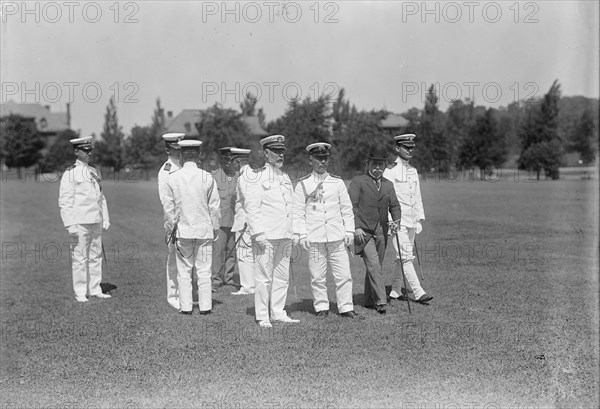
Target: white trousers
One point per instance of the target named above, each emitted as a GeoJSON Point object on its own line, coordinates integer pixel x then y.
{"type": "Point", "coordinates": [319, 256]}
{"type": "Point", "coordinates": [194, 253]}
{"type": "Point", "coordinates": [172, 289]}
{"type": "Point", "coordinates": [245, 259]}
{"type": "Point", "coordinates": [271, 278]}
{"type": "Point", "coordinates": [86, 259]}
{"type": "Point", "coordinates": [407, 243]}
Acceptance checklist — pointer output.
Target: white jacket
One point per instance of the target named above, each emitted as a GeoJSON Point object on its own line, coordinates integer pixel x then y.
{"type": "Point", "coordinates": [269, 209]}
{"type": "Point", "coordinates": [80, 198]}
{"type": "Point", "coordinates": [405, 178]}
{"type": "Point", "coordinates": [192, 201]}
{"type": "Point", "coordinates": [322, 208]}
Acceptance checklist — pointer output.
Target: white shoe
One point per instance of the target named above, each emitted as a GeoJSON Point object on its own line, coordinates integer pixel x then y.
{"type": "Point", "coordinates": [102, 295]}
{"type": "Point", "coordinates": [265, 324]}
{"type": "Point", "coordinates": [242, 292]}
{"type": "Point", "coordinates": [286, 320]}
{"type": "Point", "coordinates": [174, 303]}
{"type": "Point", "coordinates": [394, 294]}
{"type": "Point", "coordinates": [81, 299]}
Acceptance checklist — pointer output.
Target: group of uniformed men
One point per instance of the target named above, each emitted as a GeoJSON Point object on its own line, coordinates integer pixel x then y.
{"type": "Point", "coordinates": [256, 217]}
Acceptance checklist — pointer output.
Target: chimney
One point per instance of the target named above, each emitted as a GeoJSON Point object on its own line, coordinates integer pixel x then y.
{"type": "Point", "coordinates": [68, 115]}
{"type": "Point", "coordinates": [169, 114]}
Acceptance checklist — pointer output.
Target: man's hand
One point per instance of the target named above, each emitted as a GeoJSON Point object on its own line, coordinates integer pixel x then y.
{"type": "Point", "coordinates": [105, 226]}
{"type": "Point", "coordinates": [360, 234]}
{"type": "Point", "coordinates": [304, 243]}
{"type": "Point", "coordinates": [73, 235]}
{"type": "Point", "coordinates": [418, 227]}
{"type": "Point", "coordinates": [260, 241]}
{"type": "Point", "coordinates": [295, 239]}
{"type": "Point", "coordinates": [349, 239]}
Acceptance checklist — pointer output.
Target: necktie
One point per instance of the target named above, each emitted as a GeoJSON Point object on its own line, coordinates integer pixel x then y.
{"type": "Point", "coordinates": [378, 183]}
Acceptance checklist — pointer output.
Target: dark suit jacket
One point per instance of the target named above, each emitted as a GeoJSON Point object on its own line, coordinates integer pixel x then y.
{"type": "Point", "coordinates": [371, 206]}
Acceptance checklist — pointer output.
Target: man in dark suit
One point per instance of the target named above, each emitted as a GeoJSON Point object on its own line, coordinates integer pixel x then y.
{"type": "Point", "coordinates": [372, 198]}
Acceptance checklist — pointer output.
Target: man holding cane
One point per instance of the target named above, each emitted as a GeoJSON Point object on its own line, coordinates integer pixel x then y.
{"type": "Point", "coordinates": [406, 184]}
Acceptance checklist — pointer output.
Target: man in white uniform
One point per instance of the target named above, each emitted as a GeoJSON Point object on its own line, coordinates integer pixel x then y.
{"type": "Point", "coordinates": [324, 226]}
{"type": "Point", "coordinates": [192, 210]}
{"type": "Point", "coordinates": [269, 217]}
{"type": "Point", "coordinates": [85, 215]}
{"type": "Point", "coordinates": [408, 190]}
{"type": "Point", "coordinates": [172, 164]}
{"type": "Point", "coordinates": [245, 258]}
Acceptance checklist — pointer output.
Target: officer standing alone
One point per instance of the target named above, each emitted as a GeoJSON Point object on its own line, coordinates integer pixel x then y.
{"type": "Point", "coordinates": [85, 215]}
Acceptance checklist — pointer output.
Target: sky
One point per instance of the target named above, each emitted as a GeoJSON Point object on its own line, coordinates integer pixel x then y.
{"type": "Point", "coordinates": [385, 54]}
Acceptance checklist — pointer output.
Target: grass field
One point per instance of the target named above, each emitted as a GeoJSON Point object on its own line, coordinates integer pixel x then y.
{"type": "Point", "coordinates": [513, 267]}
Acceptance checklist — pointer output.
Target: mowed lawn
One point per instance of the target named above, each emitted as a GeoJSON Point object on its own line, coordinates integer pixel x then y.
{"type": "Point", "coordinates": [513, 267]}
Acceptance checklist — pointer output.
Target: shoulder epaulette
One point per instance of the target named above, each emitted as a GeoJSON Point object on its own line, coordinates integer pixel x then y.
{"type": "Point", "coordinates": [335, 176]}
{"type": "Point", "coordinates": [391, 165]}
{"type": "Point", "coordinates": [167, 167]}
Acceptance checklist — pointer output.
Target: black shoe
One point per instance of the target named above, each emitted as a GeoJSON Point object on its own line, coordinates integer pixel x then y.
{"type": "Point", "coordinates": [425, 298]}
{"type": "Point", "coordinates": [370, 306]}
{"type": "Point", "coordinates": [349, 314]}
{"type": "Point", "coordinates": [185, 312]}
{"type": "Point", "coordinates": [206, 312]}
{"type": "Point", "coordinates": [322, 314]}
{"type": "Point", "coordinates": [381, 309]}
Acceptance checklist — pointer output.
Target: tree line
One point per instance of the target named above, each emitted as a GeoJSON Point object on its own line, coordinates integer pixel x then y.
{"type": "Point", "coordinates": [538, 132]}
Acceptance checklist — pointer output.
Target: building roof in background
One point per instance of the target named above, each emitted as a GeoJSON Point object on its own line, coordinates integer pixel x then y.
{"type": "Point", "coordinates": [46, 121]}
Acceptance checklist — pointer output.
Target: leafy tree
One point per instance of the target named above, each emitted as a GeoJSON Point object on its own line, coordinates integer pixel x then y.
{"type": "Point", "coordinates": [138, 149]}
{"type": "Point", "coordinates": [109, 151]}
{"type": "Point", "coordinates": [20, 141]}
{"type": "Point", "coordinates": [432, 148]}
{"type": "Point", "coordinates": [60, 154]}
{"type": "Point", "coordinates": [483, 146]}
{"type": "Point", "coordinates": [583, 137]}
{"type": "Point", "coordinates": [221, 127]}
{"type": "Point", "coordinates": [302, 124]}
{"type": "Point", "coordinates": [460, 117]}
{"type": "Point", "coordinates": [541, 146]}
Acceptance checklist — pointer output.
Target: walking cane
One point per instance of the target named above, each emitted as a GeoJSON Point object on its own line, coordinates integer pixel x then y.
{"type": "Point", "coordinates": [419, 260]}
{"type": "Point", "coordinates": [231, 250]}
{"type": "Point", "coordinates": [105, 261]}
{"type": "Point", "coordinates": [395, 229]}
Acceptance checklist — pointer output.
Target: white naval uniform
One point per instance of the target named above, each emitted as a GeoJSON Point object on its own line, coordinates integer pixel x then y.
{"type": "Point", "coordinates": [192, 202]}
{"type": "Point", "coordinates": [167, 168]}
{"type": "Point", "coordinates": [408, 189]}
{"type": "Point", "coordinates": [269, 212]}
{"type": "Point", "coordinates": [82, 204]}
{"type": "Point", "coordinates": [323, 215]}
{"type": "Point", "coordinates": [245, 257]}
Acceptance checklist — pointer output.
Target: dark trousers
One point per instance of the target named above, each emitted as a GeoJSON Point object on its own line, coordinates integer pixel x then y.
{"type": "Point", "coordinates": [373, 254]}
{"type": "Point", "coordinates": [223, 260]}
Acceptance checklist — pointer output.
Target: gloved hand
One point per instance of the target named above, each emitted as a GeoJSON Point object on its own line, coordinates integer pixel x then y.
{"type": "Point", "coordinates": [105, 225]}
{"type": "Point", "coordinates": [72, 231]}
{"type": "Point", "coordinates": [304, 243]}
{"type": "Point", "coordinates": [418, 227]}
{"type": "Point", "coordinates": [260, 241]}
{"type": "Point", "coordinates": [360, 234]}
{"type": "Point", "coordinates": [348, 239]}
